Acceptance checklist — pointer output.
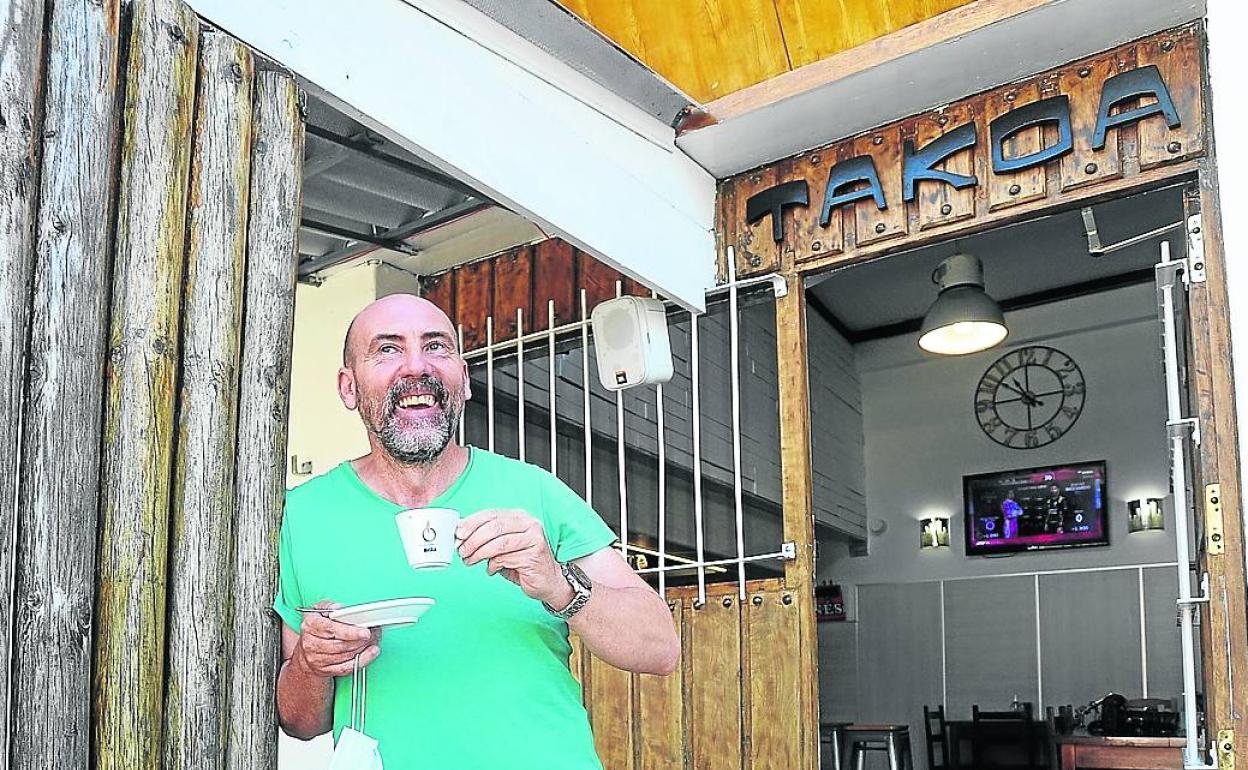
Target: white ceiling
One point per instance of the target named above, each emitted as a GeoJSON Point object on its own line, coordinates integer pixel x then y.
{"type": "Point", "coordinates": [1037, 256]}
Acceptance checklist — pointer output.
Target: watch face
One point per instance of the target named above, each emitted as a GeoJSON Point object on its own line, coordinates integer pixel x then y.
{"type": "Point", "coordinates": [579, 575]}
{"type": "Point", "coordinates": [1030, 397]}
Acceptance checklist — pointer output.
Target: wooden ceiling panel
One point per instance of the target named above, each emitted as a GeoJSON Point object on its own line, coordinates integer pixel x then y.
{"type": "Point", "coordinates": [715, 47]}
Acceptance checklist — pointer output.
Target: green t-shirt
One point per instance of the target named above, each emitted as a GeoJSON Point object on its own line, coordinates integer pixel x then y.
{"type": "Point", "coordinates": [481, 682]}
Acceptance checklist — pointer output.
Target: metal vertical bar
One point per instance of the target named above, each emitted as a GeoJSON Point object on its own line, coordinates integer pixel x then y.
{"type": "Point", "coordinates": [459, 330]}
{"type": "Point", "coordinates": [520, 378]}
{"type": "Point", "coordinates": [734, 347]}
{"type": "Point", "coordinates": [1143, 637]}
{"type": "Point", "coordinates": [662, 488]}
{"type": "Point", "coordinates": [697, 454]}
{"type": "Point", "coordinates": [1039, 658]}
{"type": "Point", "coordinates": [944, 652]}
{"type": "Point", "coordinates": [489, 380]}
{"type": "Point", "coordinates": [621, 456]}
{"type": "Point", "coordinates": [1179, 482]}
{"type": "Point", "coordinates": [550, 361]}
{"type": "Point", "coordinates": [585, 393]}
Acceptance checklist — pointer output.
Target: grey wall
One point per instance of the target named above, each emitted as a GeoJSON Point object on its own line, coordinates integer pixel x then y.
{"type": "Point", "coordinates": [837, 450]}
{"type": "Point", "coordinates": [974, 621]}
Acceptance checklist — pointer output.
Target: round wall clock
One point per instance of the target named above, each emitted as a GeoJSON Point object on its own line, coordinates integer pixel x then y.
{"type": "Point", "coordinates": [1030, 397]}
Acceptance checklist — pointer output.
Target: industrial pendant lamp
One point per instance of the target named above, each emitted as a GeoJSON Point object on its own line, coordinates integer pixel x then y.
{"type": "Point", "coordinates": [963, 319]}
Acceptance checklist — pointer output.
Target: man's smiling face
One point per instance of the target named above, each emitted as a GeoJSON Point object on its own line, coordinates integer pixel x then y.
{"type": "Point", "coordinates": [402, 370]}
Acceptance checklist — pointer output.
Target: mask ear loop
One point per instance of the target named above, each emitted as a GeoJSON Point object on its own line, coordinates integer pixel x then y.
{"type": "Point", "coordinates": [356, 685]}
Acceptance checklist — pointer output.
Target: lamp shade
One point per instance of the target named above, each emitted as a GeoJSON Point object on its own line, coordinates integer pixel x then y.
{"type": "Point", "coordinates": [1145, 514]}
{"type": "Point", "coordinates": [963, 319]}
{"type": "Point", "coordinates": [934, 532]}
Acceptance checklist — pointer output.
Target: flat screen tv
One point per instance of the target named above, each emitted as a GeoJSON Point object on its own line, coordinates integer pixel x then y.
{"type": "Point", "coordinates": [1058, 506]}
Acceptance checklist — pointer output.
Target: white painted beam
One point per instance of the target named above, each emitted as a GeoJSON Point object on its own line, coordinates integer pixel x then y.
{"type": "Point", "coordinates": [910, 82]}
{"type": "Point", "coordinates": [475, 100]}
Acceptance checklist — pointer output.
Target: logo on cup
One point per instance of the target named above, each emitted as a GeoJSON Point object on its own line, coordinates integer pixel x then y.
{"type": "Point", "coordinates": [428, 536]}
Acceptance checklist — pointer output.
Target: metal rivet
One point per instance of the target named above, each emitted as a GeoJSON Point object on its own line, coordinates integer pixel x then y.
{"type": "Point", "coordinates": [1015, 189]}
{"type": "Point", "coordinates": [727, 601]}
{"type": "Point", "coordinates": [880, 227]}
{"type": "Point", "coordinates": [877, 140]}
{"type": "Point", "coordinates": [1167, 46]}
{"type": "Point", "coordinates": [1011, 96]}
{"type": "Point", "coordinates": [755, 260]}
{"type": "Point", "coordinates": [788, 599]}
{"type": "Point", "coordinates": [755, 179]}
{"type": "Point", "coordinates": [1090, 168]}
{"type": "Point", "coordinates": [1085, 71]}
{"type": "Point", "coordinates": [814, 160]}
{"type": "Point", "coordinates": [1174, 147]}
{"type": "Point", "coordinates": [943, 120]}
{"type": "Point", "coordinates": [1195, 229]}
{"type": "Point", "coordinates": [816, 246]}
{"type": "Point", "coordinates": [758, 601]}
{"type": "Point", "coordinates": [1200, 266]}
{"type": "Point", "coordinates": [236, 71]}
{"type": "Point", "coordinates": [945, 209]}
{"type": "Point", "coordinates": [698, 604]}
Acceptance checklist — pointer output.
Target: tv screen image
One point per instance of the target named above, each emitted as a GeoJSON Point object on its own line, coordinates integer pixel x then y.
{"type": "Point", "coordinates": [1059, 506]}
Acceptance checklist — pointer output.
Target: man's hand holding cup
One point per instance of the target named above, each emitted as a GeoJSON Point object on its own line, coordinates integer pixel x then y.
{"type": "Point", "coordinates": [513, 543]}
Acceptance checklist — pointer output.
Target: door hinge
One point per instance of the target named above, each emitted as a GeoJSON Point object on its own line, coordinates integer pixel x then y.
{"type": "Point", "coordinates": [1216, 538]}
{"type": "Point", "coordinates": [1195, 250]}
{"type": "Point", "coordinates": [1226, 750]}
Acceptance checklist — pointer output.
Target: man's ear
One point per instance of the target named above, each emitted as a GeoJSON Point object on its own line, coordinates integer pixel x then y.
{"type": "Point", "coordinates": [467, 384]}
{"type": "Point", "coordinates": [346, 388]}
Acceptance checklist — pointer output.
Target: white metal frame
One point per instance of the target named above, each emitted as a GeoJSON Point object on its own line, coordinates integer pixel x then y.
{"type": "Point", "coordinates": [571, 156]}
{"type": "Point", "coordinates": [667, 563]}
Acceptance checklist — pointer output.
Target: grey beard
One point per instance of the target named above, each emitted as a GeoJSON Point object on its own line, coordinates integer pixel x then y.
{"type": "Point", "coordinates": [422, 447]}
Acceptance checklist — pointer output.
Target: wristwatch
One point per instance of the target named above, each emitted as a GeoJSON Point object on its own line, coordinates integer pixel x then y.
{"type": "Point", "coordinates": [581, 585]}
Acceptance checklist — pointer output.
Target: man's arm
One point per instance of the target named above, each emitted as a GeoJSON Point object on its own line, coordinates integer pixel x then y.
{"type": "Point", "coordinates": [625, 622]}
{"type": "Point", "coordinates": [310, 661]}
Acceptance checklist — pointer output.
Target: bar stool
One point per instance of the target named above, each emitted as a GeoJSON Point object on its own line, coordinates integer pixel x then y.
{"type": "Point", "coordinates": [891, 739]}
{"type": "Point", "coordinates": [831, 738]}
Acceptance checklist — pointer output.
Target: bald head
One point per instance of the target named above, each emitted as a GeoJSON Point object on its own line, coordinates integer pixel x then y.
{"type": "Point", "coordinates": [392, 314]}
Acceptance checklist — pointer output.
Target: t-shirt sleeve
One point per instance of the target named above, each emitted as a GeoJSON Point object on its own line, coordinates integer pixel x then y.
{"type": "Point", "coordinates": [288, 595]}
{"type": "Point", "coordinates": [575, 529]}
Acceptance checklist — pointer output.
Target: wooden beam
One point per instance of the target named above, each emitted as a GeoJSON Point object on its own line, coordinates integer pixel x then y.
{"type": "Point", "coordinates": [263, 404]}
{"type": "Point", "coordinates": [20, 85]}
{"type": "Point", "coordinates": [201, 549]}
{"type": "Point", "coordinates": [799, 521]}
{"type": "Point", "coordinates": [1224, 639]}
{"type": "Point", "coordinates": [61, 416]}
{"type": "Point", "coordinates": [141, 385]}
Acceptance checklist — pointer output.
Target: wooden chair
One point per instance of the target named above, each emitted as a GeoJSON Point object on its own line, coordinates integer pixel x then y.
{"type": "Point", "coordinates": [1012, 728]}
{"type": "Point", "coordinates": [937, 737]}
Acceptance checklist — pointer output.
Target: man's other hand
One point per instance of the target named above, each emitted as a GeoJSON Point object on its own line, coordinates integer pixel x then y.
{"type": "Point", "coordinates": [328, 648]}
{"type": "Point", "coordinates": [513, 544]}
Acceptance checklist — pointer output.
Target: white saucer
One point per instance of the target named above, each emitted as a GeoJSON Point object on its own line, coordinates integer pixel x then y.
{"type": "Point", "coordinates": [391, 612]}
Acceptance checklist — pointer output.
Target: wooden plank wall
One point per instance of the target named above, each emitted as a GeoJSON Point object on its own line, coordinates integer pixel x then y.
{"type": "Point", "coordinates": [126, 503]}
{"type": "Point", "coordinates": [716, 47]}
{"type": "Point", "coordinates": [526, 278]}
{"type": "Point", "coordinates": [734, 702]}
{"type": "Point", "coordinates": [1135, 156]}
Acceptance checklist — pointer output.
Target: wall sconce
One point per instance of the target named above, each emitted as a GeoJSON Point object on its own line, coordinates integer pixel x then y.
{"type": "Point", "coordinates": [1144, 515]}
{"type": "Point", "coordinates": [934, 532]}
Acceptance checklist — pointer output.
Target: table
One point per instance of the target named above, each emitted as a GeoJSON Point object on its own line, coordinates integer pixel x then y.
{"type": "Point", "coordinates": [960, 730]}
{"type": "Point", "coordinates": [1099, 751]}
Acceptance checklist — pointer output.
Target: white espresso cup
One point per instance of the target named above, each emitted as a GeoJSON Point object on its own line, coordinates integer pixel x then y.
{"type": "Point", "coordinates": [428, 536]}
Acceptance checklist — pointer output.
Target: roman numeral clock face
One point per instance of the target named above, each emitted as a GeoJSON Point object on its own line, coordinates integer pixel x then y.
{"type": "Point", "coordinates": [1030, 397]}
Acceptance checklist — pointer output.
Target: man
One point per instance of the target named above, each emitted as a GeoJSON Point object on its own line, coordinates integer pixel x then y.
{"type": "Point", "coordinates": [482, 681]}
{"type": "Point", "coordinates": [1057, 511]}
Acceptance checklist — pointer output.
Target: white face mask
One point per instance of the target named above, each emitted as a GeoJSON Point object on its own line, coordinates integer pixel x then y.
{"type": "Point", "coordinates": [355, 750]}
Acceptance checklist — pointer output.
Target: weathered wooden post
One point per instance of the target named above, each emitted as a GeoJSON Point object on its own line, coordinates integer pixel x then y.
{"type": "Point", "coordinates": [20, 72]}
{"type": "Point", "coordinates": [59, 494]}
{"type": "Point", "coordinates": [264, 396]}
{"type": "Point", "coordinates": [202, 545]}
{"type": "Point", "coordinates": [141, 379]}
